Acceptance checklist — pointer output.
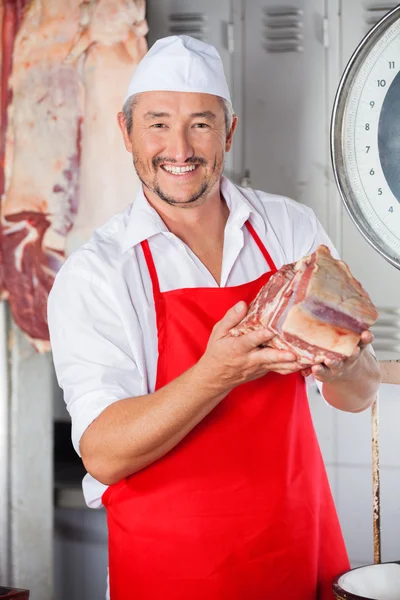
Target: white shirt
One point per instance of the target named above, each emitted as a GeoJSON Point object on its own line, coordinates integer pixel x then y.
{"type": "Point", "coordinates": [101, 309]}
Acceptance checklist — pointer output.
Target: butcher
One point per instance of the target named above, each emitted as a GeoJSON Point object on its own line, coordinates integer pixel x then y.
{"type": "Point", "coordinates": [199, 445]}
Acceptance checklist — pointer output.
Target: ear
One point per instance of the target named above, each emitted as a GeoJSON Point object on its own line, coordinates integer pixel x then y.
{"type": "Point", "coordinates": [229, 137]}
{"type": "Point", "coordinates": [122, 125]}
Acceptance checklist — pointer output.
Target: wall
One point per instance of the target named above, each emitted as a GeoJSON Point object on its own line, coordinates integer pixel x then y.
{"type": "Point", "coordinates": [345, 441]}
{"type": "Point", "coordinates": [26, 516]}
{"type": "Point", "coordinates": [80, 554]}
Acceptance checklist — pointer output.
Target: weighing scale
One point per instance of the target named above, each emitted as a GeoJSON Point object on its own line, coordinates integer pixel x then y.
{"type": "Point", "coordinates": [365, 149]}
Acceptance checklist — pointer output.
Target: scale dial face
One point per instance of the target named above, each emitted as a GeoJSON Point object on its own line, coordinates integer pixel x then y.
{"type": "Point", "coordinates": [365, 137]}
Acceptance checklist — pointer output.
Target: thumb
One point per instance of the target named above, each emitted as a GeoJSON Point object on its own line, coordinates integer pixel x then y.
{"type": "Point", "coordinates": [232, 318]}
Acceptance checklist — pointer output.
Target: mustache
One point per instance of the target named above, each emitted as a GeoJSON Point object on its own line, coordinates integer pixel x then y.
{"type": "Point", "coordinates": [193, 160]}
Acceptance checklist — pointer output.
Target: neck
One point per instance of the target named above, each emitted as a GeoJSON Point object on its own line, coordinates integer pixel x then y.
{"type": "Point", "coordinates": [204, 223]}
{"type": "Point", "coordinates": [200, 227]}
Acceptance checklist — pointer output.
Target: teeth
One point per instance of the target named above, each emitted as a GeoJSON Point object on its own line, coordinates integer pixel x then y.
{"type": "Point", "coordinates": [179, 170]}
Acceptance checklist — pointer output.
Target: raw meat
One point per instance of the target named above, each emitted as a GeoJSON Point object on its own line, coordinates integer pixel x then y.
{"type": "Point", "coordinates": [45, 119]}
{"type": "Point", "coordinates": [29, 271]}
{"type": "Point", "coordinates": [315, 308]}
{"type": "Point", "coordinates": [113, 31]}
{"type": "Point", "coordinates": [72, 61]}
{"type": "Point", "coordinates": [42, 160]}
{"type": "Point", "coordinates": [10, 19]}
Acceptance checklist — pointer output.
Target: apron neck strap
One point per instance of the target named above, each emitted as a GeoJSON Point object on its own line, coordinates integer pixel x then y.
{"type": "Point", "coordinates": [259, 243]}
{"type": "Point", "coordinates": [153, 271]}
{"type": "Point", "coordinates": [151, 266]}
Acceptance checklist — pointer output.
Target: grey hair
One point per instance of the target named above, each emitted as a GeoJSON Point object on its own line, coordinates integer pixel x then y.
{"type": "Point", "coordinates": [127, 109]}
{"type": "Point", "coordinates": [131, 102]}
{"type": "Point", "coordinates": [229, 114]}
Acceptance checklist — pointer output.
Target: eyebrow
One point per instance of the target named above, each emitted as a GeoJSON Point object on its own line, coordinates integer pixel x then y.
{"type": "Point", "coordinates": [207, 114]}
{"type": "Point", "coordinates": [156, 115]}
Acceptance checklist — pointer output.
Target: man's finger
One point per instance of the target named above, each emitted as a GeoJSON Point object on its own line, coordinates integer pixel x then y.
{"type": "Point", "coordinates": [335, 364]}
{"type": "Point", "coordinates": [231, 318]}
{"type": "Point", "coordinates": [272, 356]}
{"type": "Point", "coordinates": [367, 337]}
{"type": "Point", "coordinates": [254, 339]}
{"type": "Point", "coordinates": [320, 371]}
{"type": "Point", "coordinates": [286, 367]}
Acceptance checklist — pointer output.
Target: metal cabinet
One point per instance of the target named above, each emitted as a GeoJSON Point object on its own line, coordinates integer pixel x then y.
{"type": "Point", "coordinates": [284, 100]}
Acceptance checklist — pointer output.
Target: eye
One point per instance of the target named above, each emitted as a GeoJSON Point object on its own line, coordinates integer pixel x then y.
{"type": "Point", "coordinates": [158, 125]}
{"type": "Point", "coordinates": [201, 125]}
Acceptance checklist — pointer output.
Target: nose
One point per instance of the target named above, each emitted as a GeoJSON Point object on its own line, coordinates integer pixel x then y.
{"type": "Point", "coordinates": [180, 147]}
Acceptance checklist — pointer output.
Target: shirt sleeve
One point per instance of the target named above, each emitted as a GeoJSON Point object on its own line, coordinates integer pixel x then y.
{"type": "Point", "coordinates": [308, 234]}
{"type": "Point", "coordinates": [92, 357]}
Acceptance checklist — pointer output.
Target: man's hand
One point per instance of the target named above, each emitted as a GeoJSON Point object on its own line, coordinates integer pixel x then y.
{"type": "Point", "coordinates": [132, 433]}
{"type": "Point", "coordinates": [332, 370]}
{"type": "Point", "coordinates": [230, 361]}
{"type": "Point", "coordinates": [351, 384]}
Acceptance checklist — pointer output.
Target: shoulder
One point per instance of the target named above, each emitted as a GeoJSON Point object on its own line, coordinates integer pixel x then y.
{"type": "Point", "coordinates": [291, 227]}
{"type": "Point", "coordinates": [276, 207]}
{"type": "Point", "coordinates": [99, 256]}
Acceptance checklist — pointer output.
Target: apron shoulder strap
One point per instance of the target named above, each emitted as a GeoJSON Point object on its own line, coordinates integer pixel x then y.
{"type": "Point", "coordinates": [151, 266]}
{"type": "Point", "coordinates": [259, 243]}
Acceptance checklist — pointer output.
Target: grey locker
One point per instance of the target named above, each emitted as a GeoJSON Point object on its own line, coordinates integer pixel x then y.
{"type": "Point", "coordinates": [284, 100]}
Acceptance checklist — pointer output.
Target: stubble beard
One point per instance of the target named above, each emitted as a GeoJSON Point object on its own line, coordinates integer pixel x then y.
{"type": "Point", "coordinates": [201, 194]}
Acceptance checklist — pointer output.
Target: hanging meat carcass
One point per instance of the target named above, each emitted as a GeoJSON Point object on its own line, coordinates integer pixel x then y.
{"type": "Point", "coordinates": [10, 19]}
{"type": "Point", "coordinates": [44, 140]}
{"type": "Point", "coordinates": [315, 308]}
{"type": "Point", "coordinates": [42, 160]}
{"type": "Point", "coordinates": [113, 31]}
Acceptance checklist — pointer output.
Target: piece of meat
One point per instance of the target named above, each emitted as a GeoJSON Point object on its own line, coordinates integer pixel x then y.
{"type": "Point", "coordinates": [69, 56]}
{"type": "Point", "coordinates": [315, 308]}
{"type": "Point", "coordinates": [10, 18]}
{"type": "Point", "coordinates": [45, 118]}
{"type": "Point", "coordinates": [113, 31]}
{"type": "Point", "coordinates": [42, 160]}
{"type": "Point", "coordinates": [29, 271]}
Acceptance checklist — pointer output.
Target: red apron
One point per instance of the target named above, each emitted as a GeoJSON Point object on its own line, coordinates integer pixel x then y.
{"type": "Point", "coordinates": [241, 508]}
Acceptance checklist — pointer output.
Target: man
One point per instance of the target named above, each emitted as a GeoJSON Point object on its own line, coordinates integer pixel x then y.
{"type": "Point", "coordinates": [212, 477]}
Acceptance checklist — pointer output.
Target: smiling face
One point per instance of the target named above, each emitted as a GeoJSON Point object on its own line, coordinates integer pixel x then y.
{"type": "Point", "coordinates": [178, 142]}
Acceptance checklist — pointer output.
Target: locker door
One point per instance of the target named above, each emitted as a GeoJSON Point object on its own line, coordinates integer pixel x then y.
{"type": "Point", "coordinates": [284, 98]}
{"type": "Point", "coordinates": [208, 21]}
{"type": "Point", "coordinates": [380, 279]}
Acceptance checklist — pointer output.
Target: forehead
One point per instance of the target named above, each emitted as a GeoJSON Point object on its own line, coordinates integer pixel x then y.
{"type": "Point", "coordinates": [175, 103]}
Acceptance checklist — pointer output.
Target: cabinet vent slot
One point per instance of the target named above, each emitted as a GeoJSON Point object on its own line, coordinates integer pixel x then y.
{"type": "Point", "coordinates": [283, 29]}
{"type": "Point", "coordinates": [193, 24]}
{"type": "Point", "coordinates": [374, 12]}
{"type": "Point", "coordinates": [387, 330]}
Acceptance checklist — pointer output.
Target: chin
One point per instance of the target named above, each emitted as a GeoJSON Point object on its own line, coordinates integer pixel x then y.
{"type": "Point", "coordinates": [179, 198]}
{"type": "Point", "coordinates": [185, 202]}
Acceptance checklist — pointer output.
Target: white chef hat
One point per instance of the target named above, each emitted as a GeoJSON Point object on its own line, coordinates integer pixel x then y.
{"type": "Point", "coordinates": [180, 63]}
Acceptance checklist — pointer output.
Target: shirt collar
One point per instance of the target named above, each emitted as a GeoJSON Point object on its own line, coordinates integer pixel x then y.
{"type": "Point", "coordinates": [240, 208]}
{"type": "Point", "coordinates": [144, 221]}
